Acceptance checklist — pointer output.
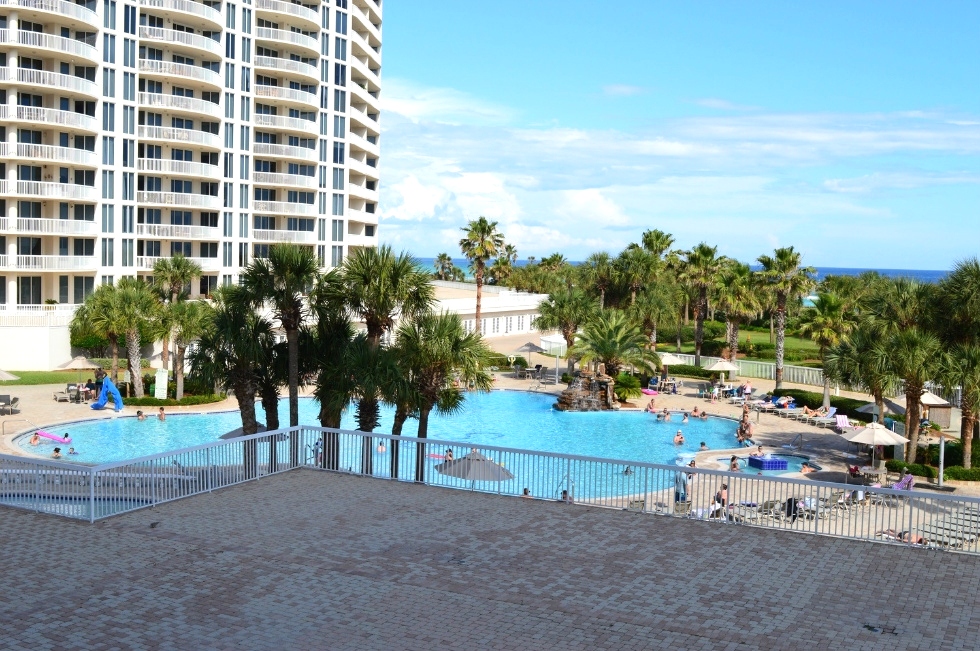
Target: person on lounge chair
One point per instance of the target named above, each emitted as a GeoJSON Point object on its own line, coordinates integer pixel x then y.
{"type": "Point", "coordinates": [906, 483]}
{"type": "Point", "coordinates": [903, 536]}
{"type": "Point", "coordinates": [820, 412]}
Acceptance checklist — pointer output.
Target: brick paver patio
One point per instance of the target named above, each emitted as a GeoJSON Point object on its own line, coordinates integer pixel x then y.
{"type": "Point", "coordinates": [311, 560]}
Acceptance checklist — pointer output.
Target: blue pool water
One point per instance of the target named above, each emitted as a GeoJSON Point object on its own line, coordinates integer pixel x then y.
{"type": "Point", "coordinates": [793, 464]}
{"type": "Point", "coordinates": [510, 419]}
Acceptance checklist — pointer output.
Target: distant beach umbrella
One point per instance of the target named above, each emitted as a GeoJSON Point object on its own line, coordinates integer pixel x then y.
{"type": "Point", "coordinates": [474, 467]}
{"type": "Point", "coordinates": [7, 377]}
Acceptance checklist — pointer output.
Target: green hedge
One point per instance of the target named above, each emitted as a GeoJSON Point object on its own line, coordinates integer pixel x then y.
{"type": "Point", "coordinates": [916, 469]}
{"type": "Point", "coordinates": [500, 360]}
{"type": "Point", "coordinates": [953, 455]}
{"type": "Point", "coordinates": [845, 406]}
{"type": "Point", "coordinates": [688, 370]}
{"type": "Point", "coordinates": [962, 474]}
{"type": "Point", "coordinates": [170, 402]}
{"type": "Point", "coordinates": [106, 363]}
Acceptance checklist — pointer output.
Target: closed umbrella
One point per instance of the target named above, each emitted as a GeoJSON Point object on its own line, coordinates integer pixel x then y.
{"type": "Point", "coordinates": [722, 365]}
{"type": "Point", "coordinates": [7, 377]}
{"type": "Point", "coordinates": [874, 435]}
{"type": "Point", "coordinates": [474, 467]}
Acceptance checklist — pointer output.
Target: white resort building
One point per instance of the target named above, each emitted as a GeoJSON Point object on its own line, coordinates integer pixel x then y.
{"type": "Point", "coordinates": [131, 131]}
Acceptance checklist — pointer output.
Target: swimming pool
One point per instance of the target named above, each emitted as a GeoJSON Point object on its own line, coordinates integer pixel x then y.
{"type": "Point", "coordinates": [793, 464]}
{"type": "Point", "coordinates": [512, 419]}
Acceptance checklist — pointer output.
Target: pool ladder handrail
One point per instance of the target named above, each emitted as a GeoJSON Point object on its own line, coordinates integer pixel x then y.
{"type": "Point", "coordinates": [793, 445]}
{"type": "Point", "coordinates": [16, 420]}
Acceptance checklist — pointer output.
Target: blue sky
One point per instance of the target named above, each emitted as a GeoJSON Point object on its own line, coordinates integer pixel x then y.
{"type": "Point", "coordinates": [850, 130]}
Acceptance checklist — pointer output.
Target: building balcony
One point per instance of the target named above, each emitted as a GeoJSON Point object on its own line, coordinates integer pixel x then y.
{"type": "Point", "coordinates": [49, 154]}
{"type": "Point", "coordinates": [293, 180]}
{"type": "Point", "coordinates": [361, 45]}
{"type": "Point", "coordinates": [51, 226]}
{"type": "Point", "coordinates": [179, 104]}
{"type": "Point", "coordinates": [362, 66]}
{"type": "Point", "coordinates": [293, 95]}
{"type": "Point", "coordinates": [284, 151]}
{"type": "Point", "coordinates": [44, 79]}
{"type": "Point", "coordinates": [365, 118]}
{"type": "Point", "coordinates": [284, 208]}
{"type": "Point", "coordinates": [362, 217]}
{"type": "Point", "coordinates": [288, 9]}
{"type": "Point", "coordinates": [179, 199]}
{"type": "Point", "coordinates": [179, 136]}
{"type": "Point", "coordinates": [285, 36]}
{"type": "Point", "coordinates": [365, 16]}
{"type": "Point", "coordinates": [59, 9]}
{"type": "Point", "coordinates": [181, 70]}
{"type": "Point", "coordinates": [51, 262]}
{"type": "Point", "coordinates": [361, 191]}
{"type": "Point", "coordinates": [362, 95]}
{"type": "Point", "coordinates": [178, 232]}
{"type": "Point", "coordinates": [283, 122]}
{"type": "Point", "coordinates": [178, 168]}
{"type": "Point", "coordinates": [181, 39]}
{"type": "Point", "coordinates": [280, 64]}
{"type": "Point", "coordinates": [145, 263]}
{"type": "Point", "coordinates": [37, 115]}
{"type": "Point", "coordinates": [202, 14]}
{"type": "Point", "coordinates": [361, 167]}
{"type": "Point", "coordinates": [48, 44]}
{"type": "Point", "coordinates": [45, 190]}
{"type": "Point", "coordinates": [367, 144]}
{"type": "Point", "coordinates": [296, 237]}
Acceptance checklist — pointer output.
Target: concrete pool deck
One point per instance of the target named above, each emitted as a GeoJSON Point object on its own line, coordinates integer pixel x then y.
{"type": "Point", "coordinates": [313, 560]}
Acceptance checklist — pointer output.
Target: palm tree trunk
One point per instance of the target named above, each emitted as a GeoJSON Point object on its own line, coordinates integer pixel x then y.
{"type": "Point", "coordinates": [772, 329]}
{"type": "Point", "coordinates": [245, 396]}
{"type": "Point", "coordinates": [700, 307]}
{"type": "Point", "coordinates": [826, 391]}
{"type": "Point", "coordinates": [181, 350]}
{"type": "Point", "coordinates": [687, 310]}
{"type": "Point", "coordinates": [133, 349]}
{"type": "Point", "coordinates": [420, 446]}
{"type": "Point", "coordinates": [401, 415]}
{"type": "Point", "coordinates": [270, 405]}
{"type": "Point", "coordinates": [679, 333]}
{"type": "Point", "coordinates": [912, 413]}
{"type": "Point", "coordinates": [602, 298]}
{"type": "Point", "coordinates": [292, 343]}
{"type": "Point", "coordinates": [733, 343]}
{"type": "Point", "coordinates": [165, 351]}
{"type": "Point", "coordinates": [330, 458]}
{"type": "Point", "coordinates": [967, 423]}
{"type": "Point", "coordinates": [653, 338]}
{"type": "Point", "coordinates": [479, 295]}
{"type": "Point", "coordinates": [780, 339]}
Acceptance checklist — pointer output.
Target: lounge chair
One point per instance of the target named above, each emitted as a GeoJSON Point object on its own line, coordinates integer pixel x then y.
{"type": "Point", "coordinates": [62, 396]}
{"type": "Point", "coordinates": [4, 403]}
{"type": "Point", "coordinates": [823, 421]}
{"type": "Point", "coordinates": [14, 404]}
{"type": "Point", "coordinates": [842, 424]}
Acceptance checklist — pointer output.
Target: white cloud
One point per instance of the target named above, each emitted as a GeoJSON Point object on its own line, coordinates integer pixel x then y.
{"type": "Point", "coordinates": [446, 105]}
{"type": "Point", "coordinates": [723, 105]}
{"type": "Point", "coordinates": [622, 90]}
{"type": "Point", "coordinates": [880, 181]}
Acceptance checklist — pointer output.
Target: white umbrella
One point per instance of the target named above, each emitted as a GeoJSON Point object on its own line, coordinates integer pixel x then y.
{"type": "Point", "coordinates": [7, 377]}
{"type": "Point", "coordinates": [666, 359]}
{"type": "Point", "coordinates": [530, 348]}
{"type": "Point", "coordinates": [874, 435]}
{"type": "Point", "coordinates": [474, 467]}
{"type": "Point", "coordinates": [79, 363]}
{"type": "Point", "coordinates": [722, 365]}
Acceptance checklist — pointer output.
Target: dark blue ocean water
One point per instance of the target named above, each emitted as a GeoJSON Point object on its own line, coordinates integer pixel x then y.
{"type": "Point", "coordinates": [923, 275]}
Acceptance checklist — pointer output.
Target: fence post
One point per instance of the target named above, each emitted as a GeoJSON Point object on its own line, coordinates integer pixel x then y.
{"type": "Point", "coordinates": [91, 496]}
{"type": "Point", "coordinates": [207, 471]}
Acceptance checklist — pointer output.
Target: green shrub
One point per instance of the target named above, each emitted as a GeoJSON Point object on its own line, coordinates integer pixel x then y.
{"type": "Point", "coordinates": [106, 362]}
{"type": "Point", "coordinates": [845, 406]}
{"type": "Point", "coordinates": [916, 469]}
{"type": "Point", "coordinates": [170, 402]}
{"type": "Point", "coordinates": [500, 360]}
{"type": "Point", "coordinates": [953, 456]}
{"type": "Point", "coordinates": [688, 370]}
{"type": "Point", "coordinates": [713, 348]}
{"type": "Point", "coordinates": [566, 378]}
{"type": "Point", "coordinates": [627, 386]}
{"type": "Point", "coordinates": [962, 474]}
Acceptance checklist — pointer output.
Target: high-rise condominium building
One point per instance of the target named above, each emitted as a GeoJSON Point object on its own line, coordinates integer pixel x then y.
{"type": "Point", "coordinates": [132, 130]}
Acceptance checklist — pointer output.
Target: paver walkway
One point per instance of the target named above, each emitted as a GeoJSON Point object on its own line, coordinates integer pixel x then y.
{"type": "Point", "coordinates": [312, 560]}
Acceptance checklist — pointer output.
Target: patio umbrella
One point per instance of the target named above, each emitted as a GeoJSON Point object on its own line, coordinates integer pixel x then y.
{"type": "Point", "coordinates": [666, 359]}
{"type": "Point", "coordinates": [79, 363]}
{"type": "Point", "coordinates": [529, 348]}
{"type": "Point", "coordinates": [474, 467]}
{"type": "Point", "coordinates": [874, 435]}
{"type": "Point", "coordinates": [7, 377]}
{"type": "Point", "coordinates": [722, 365]}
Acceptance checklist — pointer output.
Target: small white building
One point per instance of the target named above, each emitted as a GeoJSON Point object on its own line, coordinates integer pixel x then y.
{"type": "Point", "coordinates": [504, 311]}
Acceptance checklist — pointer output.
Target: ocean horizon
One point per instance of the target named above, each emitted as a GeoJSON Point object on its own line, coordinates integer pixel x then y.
{"type": "Point", "coordinates": [922, 275]}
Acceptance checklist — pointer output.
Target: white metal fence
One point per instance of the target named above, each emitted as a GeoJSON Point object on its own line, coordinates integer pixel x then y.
{"type": "Point", "coordinates": [857, 512]}
{"type": "Point", "coordinates": [766, 370]}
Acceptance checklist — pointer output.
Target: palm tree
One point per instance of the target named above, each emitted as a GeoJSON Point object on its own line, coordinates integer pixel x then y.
{"type": "Point", "coordinates": [961, 367]}
{"type": "Point", "coordinates": [444, 267]}
{"type": "Point", "coordinates": [282, 279]}
{"type": "Point", "coordinates": [738, 298]}
{"type": "Point", "coordinates": [100, 315]}
{"type": "Point", "coordinates": [137, 306]}
{"type": "Point", "coordinates": [900, 303]}
{"type": "Point", "coordinates": [913, 355]}
{"type": "Point", "coordinates": [701, 271]}
{"type": "Point", "coordinates": [500, 271]}
{"type": "Point", "coordinates": [565, 311]}
{"type": "Point", "coordinates": [959, 307]}
{"type": "Point", "coordinates": [827, 323]}
{"type": "Point", "coordinates": [189, 322]}
{"type": "Point", "coordinates": [230, 354]}
{"type": "Point", "coordinates": [613, 339]}
{"type": "Point", "coordinates": [510, 253]}
{"type": "Point", "coordinates": [782, 273]}
{"type": "Point", "coordinates": [656, 306]}
{"type": "Point", "coordinates": [373, 374]}
{"type": "Point", "coordinates": [657, 242]}
{"type": "Point", "coordinates": [853, 362]}
{"type": "Point", "coordinates": [376, 286]}
{"type": "Point", "coordinates": [170, 277]}
{"type": "Point", "coordinates": [634, 267]}
{"type": "Point", "coordinates": [482, 242]}
{"type": "Point", "coordinates": [442, 359]}
{"type": "Point", "coordinates": [598, 273]}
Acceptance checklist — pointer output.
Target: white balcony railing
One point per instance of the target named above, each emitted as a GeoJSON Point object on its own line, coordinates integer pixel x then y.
{"type": "Point", "coordinates": [49, 42]}
{"type": "Point", "coordinates": [198, 9]}
{"type": "Point", "coordinates": [289, 9]}
{"type": "Point", "coordinates": [178, 167]}
{"type": "Point", "coordinates": [288, 94]}
{"type": "Point", "coordinates": [145, 263]}
{"type": "Point", "coordinates": [53, 80]}
{"type": "Point", "coordinates": [285, 208]}
{"type": "Point", "coordinates": [360, 167]}
{"type": "Point", "coordinates": [179, 135]}
{"type": "Point", "coordinates": [363, 95]}
{"type": "Point", "coordinates": [283, 122]}
{"type": "Point", "coordinates": [171, 69]}
{"type": "Point", "coordinates": [360, 190]}
{"type": "Point", "coordinates": [283, 151]}
{"type": "Point", "coordinates": [361, 47]}
{"type": "Point", "coordinates": [46, 190]}
{"type": "Point", "coordinates": [354, 215]}
{"type": "Point", "coordinates": [176, 231]}
{"type": "Point", "coordinates": [285, 36]}
{"type": "Point", "coordinates": [295, 180]}
{"type": "Point", "coordinates": [55, 117]}
{"type": "Point", "coordinates": [56, 262]}
{"type": "Point", "coordinates": [179, 199]}
{"type": "Point", "coordinates": [50, 153]}
{"type": "Point", "coordinates": [361, 65]}
{"type": "Point", "coordinates": [56, 226]}
{"type": "Point", "coordinates": [174, 37]}
{"type": "Point", "coordinates": [287, 65]}
{"type": "Point", "coordinates": [59, 7]}
{"type": "Point", "coordinates": [179, 103]}
{"type": "Point", "coordinates": [299, 237]}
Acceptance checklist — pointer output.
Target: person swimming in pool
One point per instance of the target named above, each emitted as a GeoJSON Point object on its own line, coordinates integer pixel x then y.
{"type": "Point", "coordinates": [72, 451]}
{"type": "Point", "coordinates": [35, 439]}
{"type": "Point", "coordinates": [56, 454]}
{"type": "Point", "coordinates": [140, 415]}
{"type": "Point", "coordinates": [686, 418]}
{"type": "Point", "coordinates": [679, 438]}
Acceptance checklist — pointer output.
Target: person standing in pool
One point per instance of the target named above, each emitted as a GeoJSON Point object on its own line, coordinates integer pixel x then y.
{"type": "Point", "coordinates": [162, 415]}
{"type": "Point", "coordinates": [35, 439]}
{"type": "Point", "coordinates": [56, 454]}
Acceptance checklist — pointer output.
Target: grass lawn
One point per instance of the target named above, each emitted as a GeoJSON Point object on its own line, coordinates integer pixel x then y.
{"type": "Point", "coordinates": [56, 377]}
{"type": "Point", "coordinates": [792, 343]}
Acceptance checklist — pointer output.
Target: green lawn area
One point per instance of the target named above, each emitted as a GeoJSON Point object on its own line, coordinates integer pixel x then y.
{"type": "Point", "coordinates": [792, 343]}
{"type": "Point", "coordinates": [45, 377]}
